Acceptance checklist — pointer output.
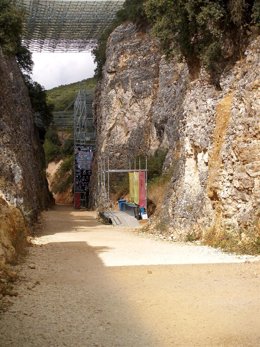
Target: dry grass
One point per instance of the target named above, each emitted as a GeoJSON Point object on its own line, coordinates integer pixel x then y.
{"type": "Point", "coordinates": [240, 242]}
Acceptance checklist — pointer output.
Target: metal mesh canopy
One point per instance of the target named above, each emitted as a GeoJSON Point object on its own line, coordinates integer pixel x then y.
{"type": "Point", "coordinates": [66, 25]}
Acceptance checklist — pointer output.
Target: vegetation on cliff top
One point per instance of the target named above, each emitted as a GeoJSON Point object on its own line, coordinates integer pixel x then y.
{"type": "Point", "coordinates": [133, 10]}
{"type": "Point", "coordinates": [209, 33]}
{"type": "Point", "coordinates": [11, 34]}
{"type": "Point", "coordinates": [63, 97]}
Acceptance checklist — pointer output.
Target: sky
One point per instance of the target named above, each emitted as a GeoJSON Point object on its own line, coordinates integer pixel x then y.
{"type": "Point", "coordinates": [54, 69]}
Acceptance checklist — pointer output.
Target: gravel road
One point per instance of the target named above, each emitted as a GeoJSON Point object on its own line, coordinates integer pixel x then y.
{"type": "Point", "coordinates": [86, 285]}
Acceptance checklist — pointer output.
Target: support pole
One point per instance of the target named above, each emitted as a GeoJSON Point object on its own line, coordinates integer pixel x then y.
{"type": "Point", "coordinates": [146, 179]}
{"type": "Point", "coordinates": [108, 181]}
{"type": "Point", "coordinates": [104, 174]}
{"type": "Point", "coordinates": [98, 183]}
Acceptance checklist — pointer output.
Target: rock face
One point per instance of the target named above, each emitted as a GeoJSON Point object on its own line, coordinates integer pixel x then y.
{"type": "Point", "coordinates": [145, 103]}
{"type": "Point", "coordinates": [23, 186]}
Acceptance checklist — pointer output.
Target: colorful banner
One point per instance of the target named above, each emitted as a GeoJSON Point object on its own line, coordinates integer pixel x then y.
{"type": "Point", "coordinates": [136, 188]}
{"type": "Point", "coordinates": [131, 187]}
{"type": "Point", "coordinates": [142, 189]}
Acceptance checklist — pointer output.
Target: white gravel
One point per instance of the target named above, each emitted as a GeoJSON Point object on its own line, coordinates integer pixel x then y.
{"type": "Point", "coordinates": [124, 247]}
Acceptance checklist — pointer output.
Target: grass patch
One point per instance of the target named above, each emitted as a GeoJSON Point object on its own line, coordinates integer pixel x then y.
{"type": "Point", "coordinates": [63, 96]}
{"type": "Point", "coordinates": [244, 241]}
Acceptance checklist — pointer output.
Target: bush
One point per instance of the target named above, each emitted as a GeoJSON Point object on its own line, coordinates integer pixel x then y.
{"type": "Point", "coordinates": [133, 10]}
{"type": "Point", "coordinates": [11, 34]}
{"type": "Point", "coordinates": [68, 147]}
{"type": "Point", "coordinates": [52, 151]}
{"type": "Point", "coordinates": [155, 164]}
{"type": "Point", "coordinates": [52, 136]}
{"type": "Point", "coordinates": [10, 27]}
{"type": "Point", "coordinates": [197, 29]}
{"type": "Point", "coordinates": [39, 104]}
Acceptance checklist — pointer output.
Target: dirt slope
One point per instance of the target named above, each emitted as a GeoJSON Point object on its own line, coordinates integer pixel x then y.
{"type": "Point", "coordinates": [86, 284]}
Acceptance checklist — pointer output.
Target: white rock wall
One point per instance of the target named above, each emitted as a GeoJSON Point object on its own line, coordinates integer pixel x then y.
{"type": "Point", "coordinates": [145, 102]}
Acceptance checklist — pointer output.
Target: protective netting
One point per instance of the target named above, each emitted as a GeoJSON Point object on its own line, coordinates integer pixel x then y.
{"type": "Point", "coordinates": [66, 25]}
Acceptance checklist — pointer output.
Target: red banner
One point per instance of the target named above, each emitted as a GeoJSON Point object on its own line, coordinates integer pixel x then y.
{"type": "Point", "coordinates": [77, 200]}
{"type": "Point", "coordinates": [142, 189]}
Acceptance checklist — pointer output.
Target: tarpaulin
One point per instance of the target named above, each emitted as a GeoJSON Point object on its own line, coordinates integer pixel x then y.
{"type": "Point", "coordinates": [142, 189]}
{"type": "Point", "coordinates": [136, 188]}
{"type": "Point", "coordinates": [131, 187]}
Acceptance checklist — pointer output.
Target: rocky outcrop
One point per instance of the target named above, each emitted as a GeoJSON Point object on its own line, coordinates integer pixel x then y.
{"type": "Point", "coordinates": [13, 233]}
{"type": "Point", "coordinates": [23, 185]}
{"type": "Point", "coordinates": [145, 103]}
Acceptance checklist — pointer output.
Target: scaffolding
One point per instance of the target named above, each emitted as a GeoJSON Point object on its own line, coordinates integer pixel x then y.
{"type": "Point", "coordinates": [66, 25]}
{"type": "Point", "coordinates": [104, 174]}
{"type": "Point", "coordinates": [84, 147]}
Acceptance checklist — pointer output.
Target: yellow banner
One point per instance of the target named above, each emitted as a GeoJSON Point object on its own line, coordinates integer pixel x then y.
{"type": "Point", "coordinates": [134, 187]}
{"type": "Point", "coordinates": [131, 187]}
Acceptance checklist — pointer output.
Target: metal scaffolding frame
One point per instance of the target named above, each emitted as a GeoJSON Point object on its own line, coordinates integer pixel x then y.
{"type": "Point", "coordinates": [63, 119]}
{"type": "Point", "coordinates": [84, 131]}
{"type": "Point", "coordinates": [84, 147]}
{"type": "Point", "coordinates": [66, 25]}
{"type": "Point", "coordinates": [104, 171]}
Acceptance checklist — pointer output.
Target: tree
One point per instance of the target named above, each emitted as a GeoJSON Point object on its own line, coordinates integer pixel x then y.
{"type": "Point", "coordinates": [133, 10]}
{"type": "Point", "coordinates": [11, 35]}
{"type": "Point", "coordinates": [10, 27]}
{"type": "Point", "coordinates": [38, 99]}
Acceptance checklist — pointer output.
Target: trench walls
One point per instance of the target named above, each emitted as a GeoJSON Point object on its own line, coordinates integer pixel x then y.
{"type": "Point", "coordinates": [23, 186]}
{"type": "Point", "coordinates": [145, 103]}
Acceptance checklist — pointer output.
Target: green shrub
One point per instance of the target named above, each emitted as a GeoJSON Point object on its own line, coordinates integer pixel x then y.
{"type": "Point", "coordinates": [10, 27]}
{"type": "Point", "coordinates": [197, 29]}
{"type": "Point", "coordinates": [52, 136]}
{"type": "Point", "coordinates": [68, 147]}
{"type": "Point", "coordinates": [133, 10]}
{"type": "Point", "coordinates": [155, 164]}
{"type": "Point", "coordinates": [52, 151]}
{"type": "Point", "coordinates": [11, 34]}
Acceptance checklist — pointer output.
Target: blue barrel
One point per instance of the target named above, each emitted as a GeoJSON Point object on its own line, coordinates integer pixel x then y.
{"type": "Point", "coordinates": [121, 204]}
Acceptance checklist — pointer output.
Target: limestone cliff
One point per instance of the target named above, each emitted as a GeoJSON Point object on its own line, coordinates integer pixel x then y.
{"type": "Point", "coordinates": [145, 102]}
{"type": "Point", "coordinates": [23, 186]}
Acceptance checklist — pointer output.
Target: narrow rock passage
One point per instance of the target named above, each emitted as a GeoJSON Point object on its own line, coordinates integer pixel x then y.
{"type": "Point", "coordinates": [86, 284]}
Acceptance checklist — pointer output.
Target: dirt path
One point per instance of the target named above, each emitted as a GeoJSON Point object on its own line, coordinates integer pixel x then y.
{"type": "Point", "coordinates": [88, 285]}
